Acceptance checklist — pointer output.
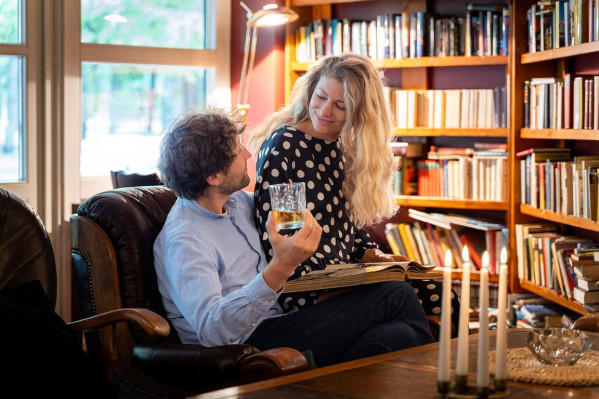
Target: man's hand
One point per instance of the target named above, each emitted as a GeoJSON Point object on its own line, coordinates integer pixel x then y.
{"type": "Point", "coordinates": [374, 255]}
{"type": "Point", "coordinates": [290, 251]}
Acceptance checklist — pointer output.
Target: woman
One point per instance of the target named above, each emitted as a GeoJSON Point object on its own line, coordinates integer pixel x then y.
{"type": "Point", "coordinates": [334, 136]}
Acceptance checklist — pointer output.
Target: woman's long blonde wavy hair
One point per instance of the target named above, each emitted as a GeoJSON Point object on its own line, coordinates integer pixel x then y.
{"type": "Point", "coordinates": [364, 137]}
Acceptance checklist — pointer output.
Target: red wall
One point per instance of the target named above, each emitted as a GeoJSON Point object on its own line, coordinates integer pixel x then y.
{"type": "Point", "coordinates": [268, 76]}
{"type": "Point", "coordinates": [267, 85]}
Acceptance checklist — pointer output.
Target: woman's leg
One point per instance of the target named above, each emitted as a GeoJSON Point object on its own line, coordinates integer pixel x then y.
{"type": "Point", "coordinates": [365, 321]}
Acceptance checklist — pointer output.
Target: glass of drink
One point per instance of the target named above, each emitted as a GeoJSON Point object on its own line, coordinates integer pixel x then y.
{"type": "Point", "coordinates": [288, 205]}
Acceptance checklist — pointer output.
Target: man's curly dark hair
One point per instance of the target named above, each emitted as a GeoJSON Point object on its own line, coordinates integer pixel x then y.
{"type": "Point", "coordinates": [199, 144]}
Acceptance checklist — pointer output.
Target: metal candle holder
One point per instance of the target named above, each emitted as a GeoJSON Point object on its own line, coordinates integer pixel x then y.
{"type": "Point", "coordinates": [461, 389]}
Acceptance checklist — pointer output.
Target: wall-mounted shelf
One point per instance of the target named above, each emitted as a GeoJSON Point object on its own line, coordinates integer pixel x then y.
{"type": "Point", "coordinates": [559, 53]}
{"type": "Point", "coordinates": [474, 276]}
{"type": "Point", "coordinates": [430, 132]}
{"type": "Point", "coordinates": [432, 202]}
{"type": "Point", "coordinates": [423, 62]}
{"type": "Point", "coordinates": [562, 134]}
{"type": "Point", "coordinates": [583, 223]}
{"type": "Point", "coordinates": [553, 297]}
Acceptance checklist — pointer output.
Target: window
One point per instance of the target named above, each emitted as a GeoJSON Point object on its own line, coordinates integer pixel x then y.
{"type": "Point", "coordinates": [12, 132]}
{"type": "Point", "coordinates": [125, 110]}
{"type": "Point", "coordinates": [143, 63]}
{"type": "Point", "coordinates": [20, 65]}
{"type": "Point", "coordinates": [150, 23]}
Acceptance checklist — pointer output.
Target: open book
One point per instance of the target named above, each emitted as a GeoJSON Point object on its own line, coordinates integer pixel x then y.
{"type": "Point", "coordinates": [344, 275]}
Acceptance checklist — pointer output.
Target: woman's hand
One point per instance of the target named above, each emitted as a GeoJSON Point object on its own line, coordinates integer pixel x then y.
{"type": "Point", "coordinates": [375, 255]}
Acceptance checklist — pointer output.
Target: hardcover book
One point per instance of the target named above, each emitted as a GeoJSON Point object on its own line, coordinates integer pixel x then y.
{"type": "Point", "coordinates": [351, 274]}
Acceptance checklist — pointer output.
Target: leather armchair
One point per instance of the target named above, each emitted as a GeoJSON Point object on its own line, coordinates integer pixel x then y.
{"type": "Point", "coordinates": [112, 239]}
{"type": "Point", "coordinates": [41, 355]}
{"type": "Point", "coordinates": [122, 178]}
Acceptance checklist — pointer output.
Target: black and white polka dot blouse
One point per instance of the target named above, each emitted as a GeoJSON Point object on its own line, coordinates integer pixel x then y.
{"type": "Point", "coordinates": [289, 155]}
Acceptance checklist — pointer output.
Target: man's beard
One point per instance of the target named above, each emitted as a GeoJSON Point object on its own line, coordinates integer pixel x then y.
{"type": "Point", "coordinates": [233, 185]}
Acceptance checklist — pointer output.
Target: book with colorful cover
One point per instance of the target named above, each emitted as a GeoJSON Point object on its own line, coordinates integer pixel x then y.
{"type": "Point", "coordinates": [352, 274]}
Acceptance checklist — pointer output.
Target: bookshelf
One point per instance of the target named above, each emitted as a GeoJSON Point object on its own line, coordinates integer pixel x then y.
{"type": "Point", "coordinates": [450, 132]}
{"type": "Point", "coordinates": [424, 62]}
{"type": "Point", "coordinates": [578, 60]}
{"type": "Point", "coordinates": [515, 68]}
{"type": "Point", "coordinates": [560, 218]}
{"type": "Point", "coordinates": [432, 202]}
{"type": "Point", "coordinates": [419, 73]}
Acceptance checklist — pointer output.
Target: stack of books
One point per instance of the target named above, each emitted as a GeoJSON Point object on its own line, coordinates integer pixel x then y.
{"type": "Point", "coordinates": [535, 312]}
{"type": "Point", "coordinates": [585, 263]}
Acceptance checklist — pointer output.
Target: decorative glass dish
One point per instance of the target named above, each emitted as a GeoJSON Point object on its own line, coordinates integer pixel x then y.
{"type": "Point", "coordinates": [558, 346]}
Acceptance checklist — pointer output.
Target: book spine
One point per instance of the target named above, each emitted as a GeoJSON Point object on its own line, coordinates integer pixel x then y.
{"type": "Point", "coordinates": [505, 29]}
{"type": "Point", "coordinates": [526, 104]}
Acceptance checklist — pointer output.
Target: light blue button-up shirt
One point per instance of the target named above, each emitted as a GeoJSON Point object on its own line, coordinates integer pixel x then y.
{"type": "Point", "coordinates": [209, 269]}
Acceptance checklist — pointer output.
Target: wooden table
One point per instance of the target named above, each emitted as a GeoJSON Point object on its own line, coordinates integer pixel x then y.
{"type": "Point", "coordinates": [410, 373]}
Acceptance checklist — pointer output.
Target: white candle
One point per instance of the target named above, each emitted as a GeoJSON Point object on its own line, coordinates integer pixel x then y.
{"type": "Point", "coordinates": [501, 343]}
{"type": "Point", "coordinates": [462, 361]}
{"type": "Point", "coordinates": [445, 333]}
{"type": "Point", "coordinates": [482, 371]}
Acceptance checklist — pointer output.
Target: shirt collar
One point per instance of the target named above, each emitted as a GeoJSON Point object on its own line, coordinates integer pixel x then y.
{"type": "Point", "coordinates": [230, 207]}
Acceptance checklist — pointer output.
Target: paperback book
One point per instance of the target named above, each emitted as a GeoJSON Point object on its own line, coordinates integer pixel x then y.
{"type": "Point", "coordinates": [351, 274]}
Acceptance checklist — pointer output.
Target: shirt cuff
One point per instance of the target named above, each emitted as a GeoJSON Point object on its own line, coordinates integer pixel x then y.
{"type": "Point", "coordinates": [260, 295]}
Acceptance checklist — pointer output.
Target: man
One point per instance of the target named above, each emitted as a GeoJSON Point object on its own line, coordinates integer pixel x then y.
{"type": "Point", "coordinates": [212, 274]}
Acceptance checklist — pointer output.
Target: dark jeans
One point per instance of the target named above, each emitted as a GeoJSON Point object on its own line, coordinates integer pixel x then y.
{"type": "Point", "coordinates": [366, 321]}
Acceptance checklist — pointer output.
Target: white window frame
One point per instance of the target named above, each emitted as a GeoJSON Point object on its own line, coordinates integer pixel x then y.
{"type": "Point", "coordinates": [30, 50]}
{"type": "Point", "coordinates": [79, 187]}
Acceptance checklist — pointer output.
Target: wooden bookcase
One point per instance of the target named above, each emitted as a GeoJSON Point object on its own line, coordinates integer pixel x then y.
{"type": "Point", "coordinates": [517, 67]}
{"type": "Point", "coordinates": [582, 58]}
{"type": "Point", "coordinates": [414, 73]}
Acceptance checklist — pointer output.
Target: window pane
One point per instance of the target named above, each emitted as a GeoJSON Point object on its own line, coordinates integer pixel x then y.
{"type": "Point", "coordinates": [126, 109]}
{"type": "Point", "coordinates": [154, 23]}
{"type": "Point", "coordinates": [12, 133]}
{"type": "Point", "coordinates": [10, 21]}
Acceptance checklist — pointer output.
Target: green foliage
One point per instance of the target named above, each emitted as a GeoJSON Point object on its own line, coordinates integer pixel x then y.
{"type": "Point", "coordinates": [9, 21]}
{"type": "Point", "coordinates": [155, 23]}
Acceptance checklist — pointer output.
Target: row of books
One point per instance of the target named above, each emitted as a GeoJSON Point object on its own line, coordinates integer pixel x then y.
{"type": "Point", "coordinates": [455, 108]}
{"type": "Point", "coordinates": [555, 24]}
{"type": "Point", "coordinates": [432, 234]}
{"type": "Point", "coordinates": [550, 178]}
{"type": "Point", "coordinates": [483, 32]}
{"type": "Point", "coordinates": [562, 103]}
{"type": "Point", "coordinates": [531, 311]}
{"type": "Point", "coordinates": [456, 173]}
{"type": "Point", "coordinates": [479, 178]}
{"type": "Point", "coordinates": [566, 264]}
{"type": "Point", "coordinates": [493, 293]}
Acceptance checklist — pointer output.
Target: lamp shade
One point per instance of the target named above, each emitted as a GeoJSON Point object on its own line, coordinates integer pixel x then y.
{"type": "Point", "coordinates": [272, 15]}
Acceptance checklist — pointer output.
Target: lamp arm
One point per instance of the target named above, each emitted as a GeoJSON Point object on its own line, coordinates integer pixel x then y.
{"type": "Point", "coordinates": [242, 85]}
{"type": "Point", "coordinates": [251, 64]}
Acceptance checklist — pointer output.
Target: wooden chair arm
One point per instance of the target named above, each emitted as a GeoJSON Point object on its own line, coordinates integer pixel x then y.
{"type": "Point", "coordinates": [151, 322]}
{"type": "Point", "coordinates": [274, 362]}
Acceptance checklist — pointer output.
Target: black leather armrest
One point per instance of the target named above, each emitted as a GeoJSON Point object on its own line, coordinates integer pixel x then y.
{"type": "Point", "coordinates": [200, 368]}
{"type": "Point", "coordinates": [191, 366]}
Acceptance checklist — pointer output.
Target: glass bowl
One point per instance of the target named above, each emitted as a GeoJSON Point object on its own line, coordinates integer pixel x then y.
{"type": "Point", "coordinates": [558, 346]}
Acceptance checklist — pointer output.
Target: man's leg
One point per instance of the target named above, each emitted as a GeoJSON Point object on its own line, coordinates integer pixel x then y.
{"type": "Point", "coordinates": [368, 320]}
